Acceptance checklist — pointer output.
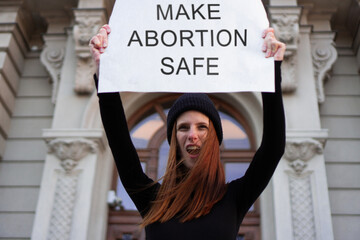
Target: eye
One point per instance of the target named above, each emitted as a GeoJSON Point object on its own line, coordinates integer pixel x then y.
{"type": "Point", "coordinates": [182, 127]}
{"type": "Point", "coordinates": [203, 126]}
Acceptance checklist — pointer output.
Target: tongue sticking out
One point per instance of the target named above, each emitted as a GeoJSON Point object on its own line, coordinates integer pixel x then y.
{"type": "Point", "coordinates": [193, 150]}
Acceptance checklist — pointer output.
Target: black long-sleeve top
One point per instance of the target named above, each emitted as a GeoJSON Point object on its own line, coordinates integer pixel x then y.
{"type": "Point", "coordinates": [224, 219]}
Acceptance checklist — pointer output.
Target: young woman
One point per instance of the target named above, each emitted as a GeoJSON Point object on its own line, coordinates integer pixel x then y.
{"type": "Point", "coordinates": [194, 201]}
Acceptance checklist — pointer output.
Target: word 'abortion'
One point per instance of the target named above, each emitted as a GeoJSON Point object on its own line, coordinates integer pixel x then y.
{"type": "Point", "coordinates": [188, 38]}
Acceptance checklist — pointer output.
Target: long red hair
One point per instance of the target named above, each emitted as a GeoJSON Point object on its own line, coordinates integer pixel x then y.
{"type": "Point", "coordinates": [189, 193]}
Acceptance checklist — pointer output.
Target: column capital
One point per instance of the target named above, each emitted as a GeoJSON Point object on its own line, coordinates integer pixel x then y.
{"type": "Point", "coordinates": [302, 146]}
{"type": "Point", "coordinates": [70, 146]}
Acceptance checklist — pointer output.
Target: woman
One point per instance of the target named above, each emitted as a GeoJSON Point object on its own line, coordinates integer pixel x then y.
{"type": "Point", "coordinates": [194, 202]}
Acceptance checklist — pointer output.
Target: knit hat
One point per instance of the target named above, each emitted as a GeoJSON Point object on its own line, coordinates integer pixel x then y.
{"type": "Point", "coordinates": [194, 101]}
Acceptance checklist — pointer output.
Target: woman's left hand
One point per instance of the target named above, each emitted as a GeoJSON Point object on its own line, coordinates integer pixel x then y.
{"type": "Point", "coordinates": [272, 47]}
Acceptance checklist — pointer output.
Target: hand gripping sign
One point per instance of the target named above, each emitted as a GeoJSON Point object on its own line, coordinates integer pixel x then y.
{"type": "Point", "coordinates": [186, 46]}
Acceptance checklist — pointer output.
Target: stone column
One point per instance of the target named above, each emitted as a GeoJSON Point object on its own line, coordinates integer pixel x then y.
{"type": "Point", "coordinates": [298, 192]}
{"type": "Point", "coordinates": [78, 167]}
{"type": "Point", "coordinates": [301, 200]}
{"type": "Point", "coordinates": [74, 182]}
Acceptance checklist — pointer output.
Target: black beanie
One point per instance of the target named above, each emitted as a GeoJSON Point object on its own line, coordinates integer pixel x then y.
{"type": "Point", "coordinates": [194, 101]}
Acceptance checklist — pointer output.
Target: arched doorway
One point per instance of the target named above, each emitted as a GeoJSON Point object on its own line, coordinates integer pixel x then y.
{"type": "Point", "coordinates": [148, 131]}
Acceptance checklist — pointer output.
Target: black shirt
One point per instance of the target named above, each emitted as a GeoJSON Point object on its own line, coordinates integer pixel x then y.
{"type": "Point", "coordinates": [224, 219]}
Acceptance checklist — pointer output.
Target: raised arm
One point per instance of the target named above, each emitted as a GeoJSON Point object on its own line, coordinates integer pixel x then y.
{"type": "Point", "coordinates": [272, 145]}
{"type": "Point", "coordinates": [125, 155]}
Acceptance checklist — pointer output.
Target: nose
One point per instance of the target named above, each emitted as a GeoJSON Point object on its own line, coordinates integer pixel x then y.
{"type": "Point", "coordinates": [193, 134]}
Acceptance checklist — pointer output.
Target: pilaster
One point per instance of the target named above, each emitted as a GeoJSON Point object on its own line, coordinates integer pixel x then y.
{"type": "Point", "coordinates": [302, 205]}
{"type": "Point", "coordinates": [298, 191]}
{"type": "Point", "coordinates": [74, 186]}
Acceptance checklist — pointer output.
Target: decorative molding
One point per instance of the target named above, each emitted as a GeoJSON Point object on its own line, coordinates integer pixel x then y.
{"type": "Point", "coordinates": [71, 151]}
{"type": "Point", "coordinates": [299, 152]}
{"type": "Point", "coordinates": [87, 24]}
{"type": "Point", "coordinates": [66, 148]}
{"type": "Point", "coordinates": [302, 207]}
{"type": "Point", "coordinates": [63, 206]}
{"type": "Point", "coordinates": [52, 57]}
{"type": "Point", "coordinates": [285, 21]}
{"type": "Point", "coordinates": [324, 55]}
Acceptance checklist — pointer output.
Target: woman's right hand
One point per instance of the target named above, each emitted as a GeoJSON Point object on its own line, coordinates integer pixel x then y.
{"type": "Point", "coordinates": [98, 44]}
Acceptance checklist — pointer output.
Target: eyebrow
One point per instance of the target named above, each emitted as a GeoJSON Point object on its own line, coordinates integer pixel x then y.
{"type": "Point", "coordinates": [198, 123]}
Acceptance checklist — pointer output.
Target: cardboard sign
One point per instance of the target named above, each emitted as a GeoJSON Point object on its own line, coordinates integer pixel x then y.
{"type": "Point", "coordinates": [186, 46]}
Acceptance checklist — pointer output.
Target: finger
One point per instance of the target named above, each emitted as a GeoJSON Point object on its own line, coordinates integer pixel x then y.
{"type": "Point", "coordinates": [107, 28]}
{"type": "Point", "coordinates": [266, 31]}
{"type": "Point", "coordinates": [279, 55]}
{"type": "Point", "coordinates": [95, 53]}
{"type": "Point", "coordinates": [95, 42]}
{"type": "Point", "coordinates": [274, 47]}
{"type": "Point", "coordinates": [269, 43]}
{"type": "Point", "coordinates": [103, 35]}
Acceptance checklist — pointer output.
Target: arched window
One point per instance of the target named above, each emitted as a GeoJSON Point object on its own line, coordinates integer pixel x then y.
{"type": "Point", "coordinates": [148, 131]}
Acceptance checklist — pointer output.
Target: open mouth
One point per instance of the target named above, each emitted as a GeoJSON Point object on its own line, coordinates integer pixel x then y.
{"type": "Point", "coordinates": [193, 150]}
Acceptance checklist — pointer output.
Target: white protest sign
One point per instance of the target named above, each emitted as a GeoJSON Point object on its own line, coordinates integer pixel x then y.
{"type": "Point", "coordinates": [186, 46]}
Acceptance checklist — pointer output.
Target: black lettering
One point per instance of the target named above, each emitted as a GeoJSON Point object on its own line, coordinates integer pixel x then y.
{"type": "Point", "coordinates": [237, 34]}
{"type": "Point", "coordinates": [196, 65]}
{"type": "Point", "coordinates": [164, 16]}
{"type": "Point", "coordinates": [163, 38]}
{"type": "Point", "coordinates": [197, 10]}
{"type": "Point", "coordinates": [185, 67]}
{"type": "Point", "coordinates": [201, 36]}
{"type": "Point", "coordinates": [135, 38]}
{"type": "Point", "coordinates": [188, 38]}
{"type": "Point", "coordinates": [211, 10]}
{"type": "Point", "coordinates": [167, 65]}
{"type": "Point", "coordinates": [182, 11]}
{"type": "Point", "coordinates": [153, 37]}
{"type": "Point", "coordinates": [212, 66]}
{"type": "Point", "coordinates": [228, 39]}
{"type": "Point", "coordinates": [212, 37]}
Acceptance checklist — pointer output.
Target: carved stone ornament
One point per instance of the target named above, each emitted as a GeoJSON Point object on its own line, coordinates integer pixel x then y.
{"type": "Point", "coordinates": [324, 56]}
{"type": "Point", "coordinates": [63, 206]}
{"type": "Point", "coordinates": [87, 24]}
{"type": "Point", "coordinates": [286, 27]}
{"type": "Point", "coordinates": [299, 152]}
{"type": "Point", "coordinates": [302, 207]}
{"type": "Point", "coordinates": [285, 22]}
{"type": "Point", "coordinates": [71, 151]}
{"type": "Point", "coordinates": [52, 57]}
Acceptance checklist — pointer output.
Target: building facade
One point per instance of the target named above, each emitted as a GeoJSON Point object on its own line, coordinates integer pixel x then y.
{"type": "Point", "coordinates": [57, 176]}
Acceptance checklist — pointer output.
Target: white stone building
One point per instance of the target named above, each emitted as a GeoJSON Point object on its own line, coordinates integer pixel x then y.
{"type": "Point", "coordinates": [56, 170]}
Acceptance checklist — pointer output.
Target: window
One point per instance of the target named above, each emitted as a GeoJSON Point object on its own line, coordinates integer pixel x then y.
{"type": "Point", "coordinates": [148, 132]}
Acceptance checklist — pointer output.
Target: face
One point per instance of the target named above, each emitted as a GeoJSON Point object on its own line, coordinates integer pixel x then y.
{"type": "Point", "coordinates": [191, 130]}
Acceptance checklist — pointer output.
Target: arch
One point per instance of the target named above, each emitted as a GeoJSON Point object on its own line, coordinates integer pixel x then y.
{"type": "Point", "coordinates": [244, 107]}
{"type": "Point", "coordinates": [248, 104]}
